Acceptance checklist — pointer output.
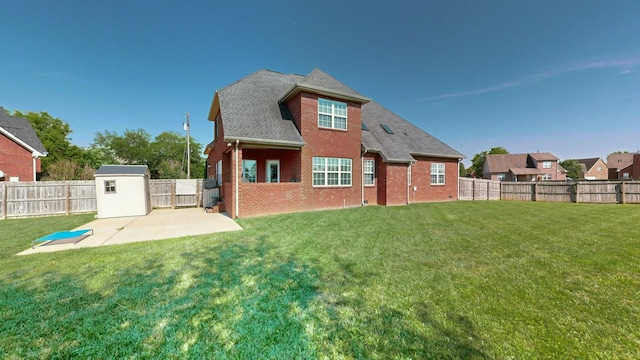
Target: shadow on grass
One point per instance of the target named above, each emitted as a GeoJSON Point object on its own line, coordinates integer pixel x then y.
{"type": "Point", "coordinates": [235, 303]}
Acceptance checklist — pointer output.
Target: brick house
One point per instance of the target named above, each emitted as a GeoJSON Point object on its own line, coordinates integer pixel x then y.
{"type": "Point", "coordinates": [287, 143]}
{"type": "Point", "coordinates": [624, 165]}
{"type": "Point", "coordinates": [523, 167]}
{"type": "Point", "coordinates": [20, 149]}
{"type": "Point", "coordinates": [593, 169]}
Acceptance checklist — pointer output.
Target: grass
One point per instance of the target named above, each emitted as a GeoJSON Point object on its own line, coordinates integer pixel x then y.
{"type": "Point", "coordinates": [507, 280]}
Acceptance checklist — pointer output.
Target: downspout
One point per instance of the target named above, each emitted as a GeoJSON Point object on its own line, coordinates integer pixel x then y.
{"type": "Point", "coordinates": [34, 166]}
{"type": "Point", "coordinates": [362, 184]}
{"type": "Point", "coordinates": [458, 183]}
{"type": "Point", "coordinates": [409, 183]}
{"type": "Point", "coordinates": [237, 186]}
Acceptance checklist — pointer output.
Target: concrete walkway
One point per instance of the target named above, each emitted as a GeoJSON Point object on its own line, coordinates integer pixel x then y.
{"type": "Point", "coordinates": [158, 224]}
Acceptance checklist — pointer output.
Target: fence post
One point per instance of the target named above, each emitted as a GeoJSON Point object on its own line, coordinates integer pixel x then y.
{"type": "Point", "coordinates": [622, 193]}
{"type": "Point", "coordinates": [577, 192]}
{"type": "Point", "coordinates": [535, 191]}
{"type": "Point", "coordinates": [173, 194]}
{"type": "Point", "coordinates": [4, 200]}
{"type": "Point", "coordinates": [68, 202]}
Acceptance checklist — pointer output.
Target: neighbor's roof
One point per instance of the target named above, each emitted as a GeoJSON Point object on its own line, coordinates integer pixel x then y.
{"type": "Point", "coordinates": [587, 163]}
{"type": "Point", "coordinates": [503, 163]}
{"type": "Point", "coordinates": [21, 131]}
{"type": "Point", "coordinates": [525, 171]}
{"type": "Point", "coordinates": [253, 110]}
{"type": "Point", "coordinates": [543, 156]}
{"type": "Point", "coordinates": [122, 170]}
{"type": "Point", "coordinates": [406, 141]}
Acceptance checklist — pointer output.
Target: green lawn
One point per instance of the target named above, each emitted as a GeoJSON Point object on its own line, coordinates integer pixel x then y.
{"type": "Point", "coordinates": [506, 280]}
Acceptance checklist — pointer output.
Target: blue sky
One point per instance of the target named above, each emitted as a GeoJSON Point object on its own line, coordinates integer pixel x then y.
{"type": "Point", "coordinates": [557, 76]}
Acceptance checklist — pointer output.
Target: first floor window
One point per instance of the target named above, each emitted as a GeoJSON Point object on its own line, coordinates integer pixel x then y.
{"type": "Point", "coordinates": [502, 177]}
{"type": "Point", "coordinates": [219, 172]}
{"type": "Point", "coordinates": [331, 171]}
{"type": "Point", "coordinates": [249, 170]}
{"type": "Point", "coordinates": [369, 174]}
{"type": "Point", "coordinates": [109, 186]}
{"type": "Point", "coordinates": [546, 177]}
{"type": "Point", "coordinates": [437, 174]}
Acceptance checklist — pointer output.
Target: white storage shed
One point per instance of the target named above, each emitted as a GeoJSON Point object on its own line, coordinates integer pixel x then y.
{"type": "Point", "coordinates": [122, 190]}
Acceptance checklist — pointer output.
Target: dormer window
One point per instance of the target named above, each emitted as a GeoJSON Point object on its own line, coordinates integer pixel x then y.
{"type": "Point", "coordinates": [332, 114]}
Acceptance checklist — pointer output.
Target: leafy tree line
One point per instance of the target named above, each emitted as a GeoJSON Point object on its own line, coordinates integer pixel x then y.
{"type": "Point", "coordinates": [165, 154]}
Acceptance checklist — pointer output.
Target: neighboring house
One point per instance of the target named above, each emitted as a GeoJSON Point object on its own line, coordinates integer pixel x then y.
{"type": "Point", "coordinates": [523, 167]}
{"type": "Point", "coordinates": [288, 143]}
{"type": "Point", "coordinates": [593, 169]}
{"type": "Point", "coordinates": [20, 149]}
{"type": "Point", "coordinates": [621, 165]}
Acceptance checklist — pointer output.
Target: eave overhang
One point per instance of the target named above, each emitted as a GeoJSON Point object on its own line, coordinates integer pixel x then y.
{"type": "Point", "coordinates": [298, 88]}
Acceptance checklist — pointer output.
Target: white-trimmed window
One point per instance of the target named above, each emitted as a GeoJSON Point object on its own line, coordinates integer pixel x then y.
{"type": "Point", "coordinates": [332, 114]}
{"type": "Point", "coordinates": [109, 186]}
{"type": "Point", "coordinates": [249, 170]}
{"type": "Point", "coordinates": [437, 174]}
{"type": "Point", "coordinates": [502, 177]}
{"type": "Point", "coordinates": [546, 177]}
{"type": "Point", "coordinates": [546, 164]}
{"type": "Point", "coordinates": [331, 171]}
{"type": "Point", "coordinates": [369, 172]}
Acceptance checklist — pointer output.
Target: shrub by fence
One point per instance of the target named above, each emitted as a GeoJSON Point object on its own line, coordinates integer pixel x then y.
{"type": "Point", "coordinates": [42, 198]}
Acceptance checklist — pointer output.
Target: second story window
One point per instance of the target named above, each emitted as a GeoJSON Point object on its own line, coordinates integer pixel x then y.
{"type": "Point", "coordinates": [332, 114]}
{"type": "Point", "coordinates": [546, 164]}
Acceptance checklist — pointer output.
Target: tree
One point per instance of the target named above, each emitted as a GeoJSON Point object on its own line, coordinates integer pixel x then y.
{"type": "Point", "coordinates": [574, 170]}
{"type": "Point", "coordinates": [462, 171]}
{"type": "Point", "coordinates": [477, 163]}
{"type": "Point", "coordinates": [165, 155]}
{"type": "Point", "coordinates": [130, 148]}
{"type": "Point", "coordinates": [54, 135]}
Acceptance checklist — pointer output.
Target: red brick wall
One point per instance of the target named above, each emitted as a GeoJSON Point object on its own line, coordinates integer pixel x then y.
{"type": "Point", "coordinates": [635, 168]}
{"type": "Point", "coordinates": [421, 180]}
{"type": "Point", "coordinates": [15, 160]}
{"type": "Point", "coordinates": [328, 143]}
{"type": "Point", "coordinates": [396, 184]}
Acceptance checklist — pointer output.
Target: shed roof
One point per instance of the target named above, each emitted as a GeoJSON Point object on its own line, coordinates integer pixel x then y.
{"type": "Point", "coordinates": [22, 130]}
{"type": "Point", "coordinates": [122, 170]}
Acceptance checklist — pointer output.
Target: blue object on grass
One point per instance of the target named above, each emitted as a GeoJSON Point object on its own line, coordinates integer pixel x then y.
{"type": "Point", "coordinates": [63, 235]}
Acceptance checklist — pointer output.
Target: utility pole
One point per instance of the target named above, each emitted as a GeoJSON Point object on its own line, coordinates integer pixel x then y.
{"type": "Point", "coordinates": [186, 127]}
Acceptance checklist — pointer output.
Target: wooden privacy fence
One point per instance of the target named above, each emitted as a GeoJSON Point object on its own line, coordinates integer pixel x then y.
{"type": "Point", "coordinates": [22, 199]}
{"type": "Point", "coordinates": [479, 189]}
{"type": "Point", "coordinates": [42, 198]}
{"type": "Point", "coordinates": [600, 192]}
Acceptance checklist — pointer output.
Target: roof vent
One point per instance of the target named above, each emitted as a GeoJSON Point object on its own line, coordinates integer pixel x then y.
{"type": "Point", "coordinates": [387, 129]}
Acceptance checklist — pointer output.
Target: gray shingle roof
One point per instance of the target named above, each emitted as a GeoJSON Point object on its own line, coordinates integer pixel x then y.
{"type": "Point", "coordinates": [251, 111]}
{"type": "Point", "coordinates": [122, 170]}
{"type": "Point", "coordinates": [407, 140]}
{"type": "Point", "coordinates": [21, 128]}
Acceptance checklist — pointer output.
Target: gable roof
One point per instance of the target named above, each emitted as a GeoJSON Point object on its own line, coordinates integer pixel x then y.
{"type": "Point", "coordinates": [587, 164]}
{"type": "Point", "coordinates": [250, 110]}
{"type": "Point", "coordinates": [253, 110]}
{"type": "Point", "coordinates": [122, 170]}
{"type": "Point", "coordinates": [21, 131]}
{"type": "Point", "coordinates": [406, 141]}
{"type": "Point", "coordinates": [503, 163]}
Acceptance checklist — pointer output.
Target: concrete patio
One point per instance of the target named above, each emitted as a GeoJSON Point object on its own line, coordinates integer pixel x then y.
{"type": "Point", "coordinates": [157, 225]}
